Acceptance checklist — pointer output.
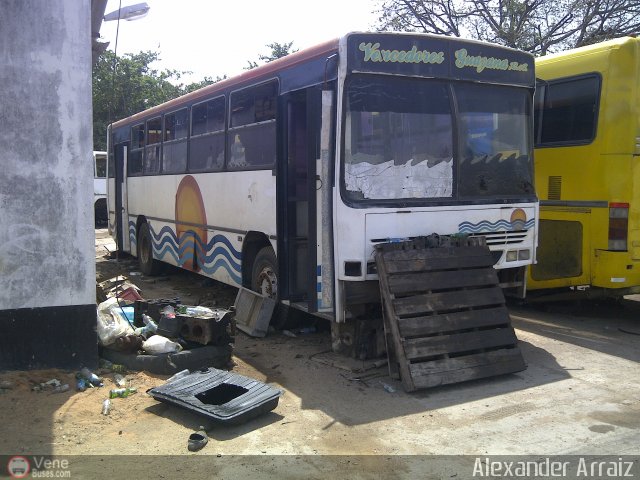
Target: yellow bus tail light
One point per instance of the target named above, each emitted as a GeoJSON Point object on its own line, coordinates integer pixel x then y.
{"type": "Point", "coordinates": [618, 226]}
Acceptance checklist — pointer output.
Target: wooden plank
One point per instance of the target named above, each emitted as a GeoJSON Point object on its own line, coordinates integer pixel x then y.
{"type": "Point", "coordinates": [412, 282]}
{"type": "Point", "coordinates": [392, 357]}
{"type": "Point", "coordinates": [510, 355]}
{"type": "Point", "coordinates": [449, 322]}
{"type": "Point", "coordinates": [434, 264]}
{"type": "Point", "coordinates": [511, 365]}
{"type": "Point", "coordinates": [459, 342]}
{"type": "Point", "coordinates": [401, 365]}
{"type": "Point", "coordinates": [432, 253]}
{"type": "Point", "coordinates": [447, 301]}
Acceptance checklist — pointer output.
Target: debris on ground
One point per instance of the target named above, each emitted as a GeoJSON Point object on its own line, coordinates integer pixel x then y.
{"type": "Point", "coordinates": [253, 312]}
{"type": "Point", "coordinates": [160, 335]}
{"type": "Point", "coordinates": [219, 395]}
{"type": "Point", "coordinates": [197, 440]}
{"type": "Point", "coordinates": [122, 392]}
{"type": "Point", "coordinates": [6, 385]}
{"type": "Point", "coordinates": [106, 407]}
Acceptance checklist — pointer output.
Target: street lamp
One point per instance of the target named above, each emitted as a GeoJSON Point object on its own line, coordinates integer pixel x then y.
{"type": "Point", "coordinates": [130, 12]}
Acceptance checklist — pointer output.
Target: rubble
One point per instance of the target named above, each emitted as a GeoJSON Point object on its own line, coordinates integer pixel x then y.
{"type": "Point", "coordinates": [160, 335]}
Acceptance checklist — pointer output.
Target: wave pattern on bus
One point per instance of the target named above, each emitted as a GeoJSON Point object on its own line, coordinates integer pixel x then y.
{"type": "Point", "coordinates": [500, 225]}
{"type": "Point", "coordinates": [217, 253]}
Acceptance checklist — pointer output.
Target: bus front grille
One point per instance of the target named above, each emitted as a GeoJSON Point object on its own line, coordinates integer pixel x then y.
{"type": "Point", "coordinates": [503, 238]}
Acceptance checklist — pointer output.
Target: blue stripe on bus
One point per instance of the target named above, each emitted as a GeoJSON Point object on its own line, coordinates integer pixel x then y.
{"type": "Point", "coordinates": [500, 225]}
{"type": "Point", "coordinates": [165, 243]}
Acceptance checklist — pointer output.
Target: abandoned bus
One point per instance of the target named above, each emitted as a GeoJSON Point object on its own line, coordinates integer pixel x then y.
{"type": "Point", "coordinates": [284, 178]}
{"type": "Point", "coordinates": [587, 139]}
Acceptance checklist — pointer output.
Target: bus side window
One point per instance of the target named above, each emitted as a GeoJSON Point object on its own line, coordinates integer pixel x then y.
{"type": "Point", "coordinates": [152, 151]}
{"type": "Point", "coordinates": [134, 164]}
{"type": "Point", "coordinates": [101, 166]}
{"type": "Point", "coordinates": [570, 111]}
{"type": "Point", "coordinates": [174, 147]}
{"type": "Point", "coordinates": [252, 129]}
{"type": "Point", "coordinates": [207, 136]}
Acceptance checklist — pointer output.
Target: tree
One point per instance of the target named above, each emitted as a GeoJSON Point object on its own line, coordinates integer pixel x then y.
{"type": "Point", "coordinates": [129, 84]}
{"type": "Point", "coordinates": [536, 26]}
{"type": "Point", "coordinates": [202, 83]}
{"type": "Point", "coordinates": [278, 50]}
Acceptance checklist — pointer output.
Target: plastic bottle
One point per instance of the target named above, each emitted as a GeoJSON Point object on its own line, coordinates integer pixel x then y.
{"type": "Point", "coordinates": [61, 388]}
{"type": "Point", "coordinates": [388, 388]}
{"type": "Point", "coordinates": [148, 321]}
{"type": "Point", "coordinates": [91, 377]}
{"type": "Point", "coordinates": [122, 392]}
{"type": "Point", "coordinates": [106, 407]}
{"type": "Point", "coordinates": [119, 380]}
{"type": "Point", "coordinates": [81, 384]}
{"type": "Point", "coordinates": [149, 329]}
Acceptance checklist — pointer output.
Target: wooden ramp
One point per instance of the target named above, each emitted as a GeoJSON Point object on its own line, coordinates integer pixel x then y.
{"type": "Point", "coordinates": [445, 317]}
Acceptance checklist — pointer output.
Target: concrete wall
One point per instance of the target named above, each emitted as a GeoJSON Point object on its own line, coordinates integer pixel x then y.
{"type": "Point", "coordinates": [47, 260]}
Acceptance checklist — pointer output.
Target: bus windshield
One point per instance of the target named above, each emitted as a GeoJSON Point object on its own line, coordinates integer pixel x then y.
{"type": "Point", "coordinates": [400, 142]}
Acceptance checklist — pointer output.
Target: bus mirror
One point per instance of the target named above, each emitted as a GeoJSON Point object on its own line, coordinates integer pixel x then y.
{"type": "Point", "coordinates": [330, 70]}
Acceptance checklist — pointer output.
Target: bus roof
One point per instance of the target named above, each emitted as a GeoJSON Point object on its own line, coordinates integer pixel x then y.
{"type": "Point", "coordinates": [253, 74]}
{"type": "Point", "coordinates": [588, 49]}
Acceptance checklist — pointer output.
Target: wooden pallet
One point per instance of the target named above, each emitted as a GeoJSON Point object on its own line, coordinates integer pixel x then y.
{"type": "Point", "coordinates": [445, 317]}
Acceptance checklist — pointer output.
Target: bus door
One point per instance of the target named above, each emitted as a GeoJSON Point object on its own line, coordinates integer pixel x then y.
{"type": "Point", "coordinates": [121, 212]}
{"type": "Point", "coordinates": [297, 199]}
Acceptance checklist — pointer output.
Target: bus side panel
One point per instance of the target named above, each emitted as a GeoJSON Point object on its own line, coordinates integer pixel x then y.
{"type": "Point", "coordinates": [202, 226]}
{"type": "Point", "coordinates": [563, 249]}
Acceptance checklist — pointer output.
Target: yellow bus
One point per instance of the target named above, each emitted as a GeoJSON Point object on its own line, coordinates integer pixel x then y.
{"type": "Point", "coordinates": [587, 170]}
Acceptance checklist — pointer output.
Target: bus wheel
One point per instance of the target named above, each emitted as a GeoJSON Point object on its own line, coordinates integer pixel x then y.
{"type": "Point", "coordinates": [148, 264]}
{"type": "Point", "coordinates": [264, 277]}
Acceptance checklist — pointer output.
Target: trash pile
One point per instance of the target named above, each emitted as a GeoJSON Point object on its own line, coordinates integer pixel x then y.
{"type": "Point", "coordinates": [160, 335]}
{"type": "Point", "coordinates": [86, 379]}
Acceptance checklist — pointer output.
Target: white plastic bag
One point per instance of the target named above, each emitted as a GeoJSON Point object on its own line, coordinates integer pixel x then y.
{"type": "Point", "coordinates": [157, 344]}
{"type": "Point", "coordinates": [112, 324]}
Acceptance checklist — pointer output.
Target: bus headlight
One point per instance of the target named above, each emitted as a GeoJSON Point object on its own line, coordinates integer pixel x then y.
{"type": "Point", "coordinates": [524, 254]}
{"type": "Point", "coordinates": [513, 255]}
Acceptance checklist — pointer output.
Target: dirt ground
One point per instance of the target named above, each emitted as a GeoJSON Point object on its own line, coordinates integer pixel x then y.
{"type": "Point", "coordinates": [579, 395]}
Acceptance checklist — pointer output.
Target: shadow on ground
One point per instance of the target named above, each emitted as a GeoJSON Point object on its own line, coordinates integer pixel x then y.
{"type": "Point", "coordinates": [604, 326]}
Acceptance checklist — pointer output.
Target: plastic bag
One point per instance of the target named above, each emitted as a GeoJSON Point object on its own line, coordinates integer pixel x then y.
{"type": "Point", "coordinates": [112, 324]}
{"type": "Point", "coordinates": [157, 344]}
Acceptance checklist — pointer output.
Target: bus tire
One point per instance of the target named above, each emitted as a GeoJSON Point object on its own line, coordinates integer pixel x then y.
{"type": "Point", "coordinates": [264, 275]}
{"type": "Point", "coordinates": [148, 265]}
{"type": "Point", "coordinates": [264, 280]}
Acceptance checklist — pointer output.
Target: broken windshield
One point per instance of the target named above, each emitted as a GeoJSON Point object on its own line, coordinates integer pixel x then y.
{"type": "Point", "coordinates": [399, 140]}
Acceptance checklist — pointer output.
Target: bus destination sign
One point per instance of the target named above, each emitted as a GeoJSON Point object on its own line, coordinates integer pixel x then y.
{"type": "Point", "coordinates": [439, 56]}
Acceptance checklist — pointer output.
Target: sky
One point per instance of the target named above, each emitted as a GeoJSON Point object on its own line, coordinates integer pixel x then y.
{"type": "Point", "coordinates": [215, 38]}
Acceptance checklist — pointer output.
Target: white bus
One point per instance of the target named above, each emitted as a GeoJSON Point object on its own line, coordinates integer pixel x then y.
{"type": "Point", "coordinates": [100, 188]}
{"type": "Point", "coordinates": [284, 178]}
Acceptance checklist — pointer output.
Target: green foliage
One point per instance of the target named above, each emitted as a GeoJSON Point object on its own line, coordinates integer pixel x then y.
{"type": "Point", "coordinates": [278, 50]}
{"type": "Point", "coordinates": [129, 84]}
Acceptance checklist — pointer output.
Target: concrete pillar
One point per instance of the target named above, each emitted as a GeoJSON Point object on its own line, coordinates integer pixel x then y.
{"type": "Point", "coordinates": [47, 257]}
